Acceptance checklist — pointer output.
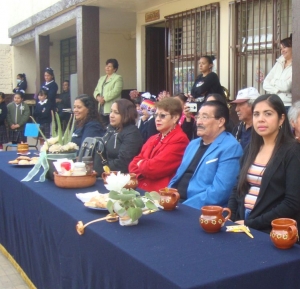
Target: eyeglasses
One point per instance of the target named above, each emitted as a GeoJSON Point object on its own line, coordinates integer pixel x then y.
{"type": "Point", "coordinates": [204, 117]}
{"type": "Point", "coordinates": [161, 115]}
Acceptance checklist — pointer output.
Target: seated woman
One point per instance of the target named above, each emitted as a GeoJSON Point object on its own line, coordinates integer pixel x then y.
{"type": "Point", "coordinates": [87, 119]}
{"type": "Point", "coordinates": [161, 155]}
{"type": "Point", "coordinates": [294, 119]}
{"type": "Point", "coordinates": [123, 141]}
{"type": "Point", "coordinates": [268, 184]}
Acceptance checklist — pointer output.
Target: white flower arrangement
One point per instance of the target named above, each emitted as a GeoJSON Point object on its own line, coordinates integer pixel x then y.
{"type": "Point", "coordinates": [128, 202]}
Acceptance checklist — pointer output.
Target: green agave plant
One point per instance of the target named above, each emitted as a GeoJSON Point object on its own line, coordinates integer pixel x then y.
{"type": "Point", "coordinates": [60, 139]}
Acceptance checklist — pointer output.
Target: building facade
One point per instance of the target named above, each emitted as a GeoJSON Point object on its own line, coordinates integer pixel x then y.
{"type": "Point", "coordinates": [157, 43]}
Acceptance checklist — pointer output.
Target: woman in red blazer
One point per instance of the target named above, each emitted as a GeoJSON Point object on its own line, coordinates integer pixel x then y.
{"type": "Point", "coordinates": [161, 155]}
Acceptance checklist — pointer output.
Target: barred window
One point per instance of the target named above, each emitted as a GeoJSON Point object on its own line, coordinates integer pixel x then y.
{"type": "Point", "coordinates": [68, 56]}
{"type": "Point", "coordinates": [257, 26]}
{"type": "Point", "coordinates": [191, 34]}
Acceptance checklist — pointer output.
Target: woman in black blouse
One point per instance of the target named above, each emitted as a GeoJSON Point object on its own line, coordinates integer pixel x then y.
{"type": "Point", "coordinates": [207, 82]}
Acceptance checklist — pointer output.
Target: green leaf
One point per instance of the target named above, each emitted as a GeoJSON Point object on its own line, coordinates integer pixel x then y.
{"type": "Point", "coordinates": [110, 206]}
{"type": "Point", "coordinates": [121, 211]}
{"type": "Point", "coordinates": [45, 139]}
{"type": "Point", "coordinates": [155, 196]}
{"type": "Point", "coordinates": [53, 124]}
{"type": "Point", "coordinates": [151, 206]}
{"type": "Point", "coordinates": [59, 130]}
{"type": "Point", "coordinates": [139, 203]}
{"type": "Point", "coordinates": [114, 195]}
{"type": "Point", "coordinates": [134, 213]}
{"type": "Point", "coordinates": [123, 197]}
{"type": "Point", "coordinates": [126, 191]}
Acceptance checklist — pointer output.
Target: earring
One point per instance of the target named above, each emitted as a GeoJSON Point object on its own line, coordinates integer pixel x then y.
{"type": "Point", "coordinates": [280, 127]}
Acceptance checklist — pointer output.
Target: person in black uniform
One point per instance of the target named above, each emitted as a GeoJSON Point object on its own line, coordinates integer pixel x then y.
{"type": "Point", "coordinates": [51, 87]}
{"type": "Point", "coordinates": [21, 83]}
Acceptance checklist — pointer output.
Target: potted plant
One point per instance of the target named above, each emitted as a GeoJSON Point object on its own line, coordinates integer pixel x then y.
{"type": "Point", "coordinates": [57, 147]}
{"type": "Point", "coordinates": [128, 203]}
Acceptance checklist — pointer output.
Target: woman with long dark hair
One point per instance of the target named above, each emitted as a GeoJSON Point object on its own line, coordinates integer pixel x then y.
{"type": "Point", "coordinates": [87, 119]}
{"type": "Point", "coordinates": [123, 140]}
{"type": "Point", "coordinates": [268, 184]}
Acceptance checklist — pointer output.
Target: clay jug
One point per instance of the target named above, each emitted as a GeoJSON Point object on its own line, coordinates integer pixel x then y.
{"type": "Point", "coordinates": [284, 233]}
{"type": "Point", "coordinates": [212, 219]}
{"type": "Point", "coordinates": [169, 198]}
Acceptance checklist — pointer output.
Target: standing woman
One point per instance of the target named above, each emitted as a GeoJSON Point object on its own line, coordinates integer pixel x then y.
{"type": "Point", "coordinates": [3, 114]}
{"type": "Point", "coordinates": [207, 82]}
{"type": "Point", "coordinates": [268, 185]}
{"type": "Point", "coordinates": [279, 79]}
{"type": "Point", "coordinates": [108, 89]}
{"type": "Point", "coordinates": [21, 83]}
{"type": "Point", "coordinates": [51, 87]}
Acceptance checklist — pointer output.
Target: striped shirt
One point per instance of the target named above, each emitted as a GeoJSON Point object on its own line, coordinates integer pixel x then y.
{"type": "Point", "coordinates": [254, 177]}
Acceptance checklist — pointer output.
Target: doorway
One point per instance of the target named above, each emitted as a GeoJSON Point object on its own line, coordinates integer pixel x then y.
{"type": "Point", "coordinates": [155, 59]}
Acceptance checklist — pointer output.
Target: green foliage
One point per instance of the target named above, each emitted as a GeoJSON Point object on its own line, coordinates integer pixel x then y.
{"type": "Point", "coordinates": [62, 139]}
{"type": "Point", "coordinates": [131, 203]}
{"type": "Point", "coordinates": [134, 213]}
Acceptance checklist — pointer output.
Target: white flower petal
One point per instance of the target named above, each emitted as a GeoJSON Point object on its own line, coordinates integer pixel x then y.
{"type": "Point", "coordinates": [117, 182]}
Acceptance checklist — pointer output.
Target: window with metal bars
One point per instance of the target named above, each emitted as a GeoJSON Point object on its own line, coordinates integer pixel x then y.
{"type": "Point", "coordinates": [256, 28]}
{"type": "Point", "coordinates": [191, 34]}
{"type": "Point", "coordinates": [68, 57]}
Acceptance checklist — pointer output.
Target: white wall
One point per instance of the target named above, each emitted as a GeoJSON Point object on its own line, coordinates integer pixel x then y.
{"type": "Point", "coordinates": [121, 46]}
{"type": "Point", "coordinates": [21, 10]}
{"type": "Point", "coordinates": [24, 62]}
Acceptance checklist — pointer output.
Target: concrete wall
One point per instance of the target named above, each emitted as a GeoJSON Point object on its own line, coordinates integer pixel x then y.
{"type": "Point", "coordinates": [5, 68]}
{"type": "Point", "coordinates": [24, 62]}
{"type": "Point", "coordinates": [121, 46]}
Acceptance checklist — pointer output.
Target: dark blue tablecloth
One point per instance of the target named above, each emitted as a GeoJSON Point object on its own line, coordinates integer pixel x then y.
{"type": "Point", "coordinates": [165, 250]}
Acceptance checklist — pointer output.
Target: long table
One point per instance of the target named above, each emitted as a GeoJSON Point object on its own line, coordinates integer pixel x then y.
{"type": "Point", "coordinates": [167, 249]}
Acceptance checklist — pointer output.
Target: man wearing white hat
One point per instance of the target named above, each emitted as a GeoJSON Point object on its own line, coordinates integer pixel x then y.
{"type": "Point", "coordinates": [244, 101]}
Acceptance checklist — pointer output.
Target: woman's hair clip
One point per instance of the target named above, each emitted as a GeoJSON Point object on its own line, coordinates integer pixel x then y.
{"type": "Point", "coordinates": [49, 69]}
{"type": "Point", "coordinates": [147, 95]}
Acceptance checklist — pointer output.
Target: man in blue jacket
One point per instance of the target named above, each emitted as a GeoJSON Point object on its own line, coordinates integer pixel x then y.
{"type": "Point", "coordinates": [210, 163]}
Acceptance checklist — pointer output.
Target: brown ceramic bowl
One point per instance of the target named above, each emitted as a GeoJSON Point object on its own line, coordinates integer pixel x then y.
{"type": "Point", "coordinates": [132, 184]}
{"type": "Point", "coordinates": [74, 182]}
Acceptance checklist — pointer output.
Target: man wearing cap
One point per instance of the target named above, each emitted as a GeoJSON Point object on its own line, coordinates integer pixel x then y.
{"type": "Point", "coordinates": [244, 101]}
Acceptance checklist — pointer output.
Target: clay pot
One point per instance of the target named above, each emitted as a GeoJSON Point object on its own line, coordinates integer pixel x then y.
{"type": "Point", "coordinates": [169, 198]}
{"type": "Point", "coordinates": [212, 219]}
{"type": "Point", "coordinates": [74, 182]}
{"type": "Point", "coordinates": [132, 184]}
{"type": "Point", "coordinates": [284, 233]}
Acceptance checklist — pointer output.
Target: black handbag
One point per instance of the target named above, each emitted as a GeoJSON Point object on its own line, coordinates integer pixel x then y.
{"type": "Point", "coordinates": [94, 147]}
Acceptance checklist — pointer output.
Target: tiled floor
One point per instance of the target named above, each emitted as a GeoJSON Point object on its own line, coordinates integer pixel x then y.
{"type": "Point", "coordinates": [9, 277]}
